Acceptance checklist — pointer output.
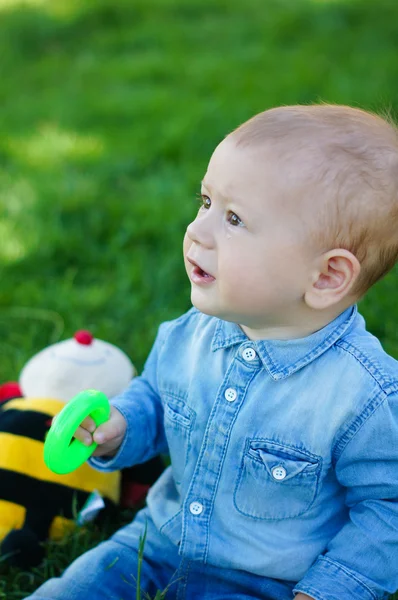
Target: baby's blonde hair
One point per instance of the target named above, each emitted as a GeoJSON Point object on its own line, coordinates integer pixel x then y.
{"type": "Point", "coordinates": [349, 157]}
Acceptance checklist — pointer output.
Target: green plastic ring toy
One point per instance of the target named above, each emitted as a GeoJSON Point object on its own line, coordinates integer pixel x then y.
{"type": "Point", "coordinates": [62, 454]}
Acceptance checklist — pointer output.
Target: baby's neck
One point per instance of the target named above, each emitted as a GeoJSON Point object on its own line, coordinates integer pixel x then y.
{"type": "Point", "coordinates": [312, 322]}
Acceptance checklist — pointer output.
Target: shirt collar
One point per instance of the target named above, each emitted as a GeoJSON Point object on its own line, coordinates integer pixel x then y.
{"type": "Point", "coordinates": [281, 358]}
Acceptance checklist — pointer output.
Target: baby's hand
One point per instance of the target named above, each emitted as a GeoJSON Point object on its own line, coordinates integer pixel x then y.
{"type": "Point", "coordinates": [108, 436]}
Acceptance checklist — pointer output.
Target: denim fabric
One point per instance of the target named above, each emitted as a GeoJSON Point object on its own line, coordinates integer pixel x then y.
{"type": "Point", "coordinates": [284, 453]}
{"type": "Point", "coordinates": [109, 572]}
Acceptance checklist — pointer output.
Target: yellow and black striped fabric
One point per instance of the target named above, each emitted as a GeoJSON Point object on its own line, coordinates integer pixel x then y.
{"type": "Point", "coordinates": [29, 491]}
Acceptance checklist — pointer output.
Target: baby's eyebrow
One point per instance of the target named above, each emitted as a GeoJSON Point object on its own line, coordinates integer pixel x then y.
{"type": "Point", "coordinates": [212, 190]}
{"type": "Point", "coordinates": [223, 197]}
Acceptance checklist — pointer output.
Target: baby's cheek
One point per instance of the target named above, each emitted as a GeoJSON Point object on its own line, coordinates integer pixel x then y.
{"type": "Point", "coordinates": [186, 243]}
{"type": "Point", "coordinates": [235, 283]}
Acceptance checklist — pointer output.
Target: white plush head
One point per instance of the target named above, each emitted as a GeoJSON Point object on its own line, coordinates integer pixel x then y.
{"type": "Point", "coordinates": [64, 369]}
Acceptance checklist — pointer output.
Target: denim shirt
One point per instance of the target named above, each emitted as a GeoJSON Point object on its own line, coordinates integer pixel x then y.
{"type": "Point", "coordinates": [284, 453]}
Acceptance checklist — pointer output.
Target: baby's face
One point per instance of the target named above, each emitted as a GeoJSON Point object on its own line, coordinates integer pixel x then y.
{"type": "Point", "coordinates": [247, 253]}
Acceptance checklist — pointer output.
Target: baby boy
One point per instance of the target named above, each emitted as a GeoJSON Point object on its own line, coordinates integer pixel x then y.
{"type": "Point", "coordinates": [278, 409]}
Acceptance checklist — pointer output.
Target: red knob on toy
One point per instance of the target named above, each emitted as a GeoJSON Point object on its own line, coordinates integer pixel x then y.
{"type": "Point", "coordinates": [83, 337]}
{"type": "Point", "coordinates": [10, 390]}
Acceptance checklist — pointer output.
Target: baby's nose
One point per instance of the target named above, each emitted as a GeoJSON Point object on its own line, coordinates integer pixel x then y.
{"type": "Point", "coordinates": [199, 232]}
{"type": "Point", "coordinates": [191, 232]}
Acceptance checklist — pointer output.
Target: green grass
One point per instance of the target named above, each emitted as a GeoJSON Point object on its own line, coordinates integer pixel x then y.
{"type": "Point", "coordinates": [109, 113]}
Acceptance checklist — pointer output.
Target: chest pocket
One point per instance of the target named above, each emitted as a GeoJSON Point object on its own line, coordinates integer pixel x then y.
{"type": "Point", "coordinates": [276, 481]}
{"type": "Point", "coordinates": [178, 421]}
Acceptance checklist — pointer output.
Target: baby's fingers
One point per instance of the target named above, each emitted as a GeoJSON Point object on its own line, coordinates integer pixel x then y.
{"type": "Point", "coordinates": [88, 424]}
{"type": "Point", "coordinates": [83, 433]}
{"type": "Point", "coordinates": [83, 436]}
{"type": "Point", "coordinates": [113, 429]}
{"type": "Point", "coordinates": [107, 432]}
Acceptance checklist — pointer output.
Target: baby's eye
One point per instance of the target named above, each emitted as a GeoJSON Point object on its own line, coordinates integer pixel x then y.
{"type": "Point", "coordinates": [234, 220]}
{"type": "Point", "coordinates": [204, 201]}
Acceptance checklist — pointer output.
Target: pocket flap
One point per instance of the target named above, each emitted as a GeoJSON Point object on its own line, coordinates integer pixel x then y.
{"type": "Point", "coordinates": [178, 412]}
{"type": "Point", "coordinates": [282, 462]}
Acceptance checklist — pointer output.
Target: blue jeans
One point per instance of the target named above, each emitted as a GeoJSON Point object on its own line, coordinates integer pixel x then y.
{"type": "Point", "coordinates": [109, 571]}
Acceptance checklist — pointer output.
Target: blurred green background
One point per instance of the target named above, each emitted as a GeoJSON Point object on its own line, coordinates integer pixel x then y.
{"type": "Point", "coordinates": [110, 110]}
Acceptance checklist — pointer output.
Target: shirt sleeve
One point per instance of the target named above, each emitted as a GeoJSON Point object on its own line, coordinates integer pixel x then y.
{"type": "Point", "coordinates": [141, 406]}
{"type": "Point", "coordinates": [361, 561]}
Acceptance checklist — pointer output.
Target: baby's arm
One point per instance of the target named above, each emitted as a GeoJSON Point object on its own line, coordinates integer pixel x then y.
{"type": "Point", "coordinates": [135, 432]}
{"type": "Point", "coordinates": [361, 560]}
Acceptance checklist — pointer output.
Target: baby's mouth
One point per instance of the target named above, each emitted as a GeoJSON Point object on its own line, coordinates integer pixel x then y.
{"type": "Point", "coordinates": [198, 275]}
{"type": "Point", "coordinates": [202, 273]}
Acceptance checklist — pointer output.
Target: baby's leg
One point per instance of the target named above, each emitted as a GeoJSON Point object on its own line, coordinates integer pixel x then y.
{"type": "Point", "coordinates": [206, 582]}
{"type": "Point", "coordinates": [110, 570]}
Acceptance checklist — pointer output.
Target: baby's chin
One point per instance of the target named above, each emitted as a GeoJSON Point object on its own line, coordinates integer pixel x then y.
{"type": "Point", "coordinates": [204, 306]}
{"type": "Point", "coordinates": [210, 309]}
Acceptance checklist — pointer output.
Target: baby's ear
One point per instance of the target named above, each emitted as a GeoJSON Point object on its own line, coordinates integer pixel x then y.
{"type": "Point", "coordinates": [334, 279]}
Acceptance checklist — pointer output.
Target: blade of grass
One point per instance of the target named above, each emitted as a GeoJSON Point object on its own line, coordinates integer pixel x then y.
{"type": "Point", "coordinates": [140, 559]}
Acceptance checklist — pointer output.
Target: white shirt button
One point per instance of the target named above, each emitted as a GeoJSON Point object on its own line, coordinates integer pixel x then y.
{"type": "Point", "coordinates": [230, 394]}
{"type": "Point", "coordinates": [249, 354]}
{"type": "Point", "coordinates": [279, 473]}
{"type": "Point", "coordinates": [196, 508]}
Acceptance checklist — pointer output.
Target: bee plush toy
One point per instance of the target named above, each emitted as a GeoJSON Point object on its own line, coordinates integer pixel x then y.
{"type": "Point", "coordinates": [36, 503]}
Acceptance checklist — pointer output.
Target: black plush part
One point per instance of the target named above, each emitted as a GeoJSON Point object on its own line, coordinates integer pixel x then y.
{"type": "Point", "coordinates": [145, 473]}
{"type": "Point", "coordinates": [40, 521]}
{"type": "Point", "coordinates": [43, 496]}
{"type": "Point", "coordinates": [29, 423]}
{"type": "Point", "coordinates": [109, 514]}
{"type": "Point", "coordinates": [21, 548]}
